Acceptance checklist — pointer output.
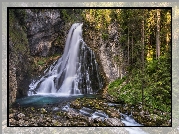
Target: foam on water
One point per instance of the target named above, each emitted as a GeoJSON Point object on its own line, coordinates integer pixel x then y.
{"type": "Point", "coordinates": [74, 73]}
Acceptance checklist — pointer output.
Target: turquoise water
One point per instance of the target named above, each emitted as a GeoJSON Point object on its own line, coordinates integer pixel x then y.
{"type": "Point", "coordinates": [45, 99]}
{"type": "Point", "coordinates": [62, 100]}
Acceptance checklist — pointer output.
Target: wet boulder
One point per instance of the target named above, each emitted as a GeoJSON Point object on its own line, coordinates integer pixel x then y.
{"type": "Point", "coordinates": [113, 122]}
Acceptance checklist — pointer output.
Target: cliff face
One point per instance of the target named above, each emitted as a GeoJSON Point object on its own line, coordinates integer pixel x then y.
{"type": "Point", "coordinates": [108, 49]}
{"type": "Point", "coordinates": [33, 34]}
{"type": "Point", "coordinates": [43, 28]}
{"type": "Point", "coordinates": [12, 77]}
{"type": "Point", "coordinates": [111, 54]}
{"type": "Point", "coordinates": [19, 70]}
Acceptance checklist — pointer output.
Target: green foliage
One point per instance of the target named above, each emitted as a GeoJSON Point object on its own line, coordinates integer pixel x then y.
{"type": "Point", "coordinates": [41, 62]}
{"type": "Point", "coordinates": [72, 15]}
{"type": "Point", "coordinates": [98, 18]}
{"type": "Point", "coordinates": [46, 60]}
{"type": "Point", "coordinates": [65, 15]}
{"type": "Point", "coordinates": [156, 83]}
{"type": "Point", "coordinates": [114, 88]}
{"type": "Point", "coordinates": [151, 67]}
{"type": "Point", "coordinates": [153, 77]}
{"type": "Point", "coordinates": [16, 32]}
{"type": "Point", "coordinates": [105, 36]}
{"type": "Point", "coordinates": [116, 83]}
{"type": "Point", "coordinates": [116, 59]}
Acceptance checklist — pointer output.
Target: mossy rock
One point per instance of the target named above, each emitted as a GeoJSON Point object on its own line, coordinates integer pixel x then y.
{"type": "Point", "coordinates": [76, 104]}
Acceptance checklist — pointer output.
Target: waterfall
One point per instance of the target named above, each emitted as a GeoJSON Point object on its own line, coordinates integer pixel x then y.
{"type": "Point", "coordinates": [76, 72]}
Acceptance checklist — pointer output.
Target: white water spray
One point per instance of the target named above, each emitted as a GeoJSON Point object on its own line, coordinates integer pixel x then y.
{"type": "Point", "coordinates": [76, 72]}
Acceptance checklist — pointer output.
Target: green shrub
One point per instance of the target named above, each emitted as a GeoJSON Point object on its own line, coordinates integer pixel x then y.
{"type": "Point", "coordinates": [155, 80]}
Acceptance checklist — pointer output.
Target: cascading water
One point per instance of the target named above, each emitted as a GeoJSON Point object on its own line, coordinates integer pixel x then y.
{"type": "Point", "coordinates": [76, 72]}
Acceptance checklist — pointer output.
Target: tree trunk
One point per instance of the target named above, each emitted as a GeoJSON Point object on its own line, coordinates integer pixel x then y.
{"type": "Point", "coordinates": [132, 48]}
{"type": "Point", "coordinates": [168, 25]}
{"type": "Point", "coordinates": [128, 46]}
{"type": "Point", "coordinates": [167, 42]}
{"type": "Point", "coordinates": [142, 39]}
{"type": "Point", "coordinates": [158, 35]}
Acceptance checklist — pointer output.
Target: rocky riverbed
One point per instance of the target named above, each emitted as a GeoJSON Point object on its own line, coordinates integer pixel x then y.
{"type": "Point", "coordinates": [84, 112]}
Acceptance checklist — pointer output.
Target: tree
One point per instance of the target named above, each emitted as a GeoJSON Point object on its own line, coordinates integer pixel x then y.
{"type": "Point", "coordinates": [128, 46]}
{"type": "Point", "coordinates": [142, 39]}
{"type": "Point", "coordinates": [158, 35]}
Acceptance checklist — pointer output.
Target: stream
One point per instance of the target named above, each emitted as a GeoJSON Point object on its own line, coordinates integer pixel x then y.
{"type": "Point", "coordinates": [63, 102]}
{"type": "Point", "coordinates": [67, 91]}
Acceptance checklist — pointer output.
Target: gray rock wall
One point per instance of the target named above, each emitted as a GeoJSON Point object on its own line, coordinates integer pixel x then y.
{"type": "Point", "coordinates": [12, 77]}
{"type": "Point", "coordinates": [108, 50]}
{"type": "Point", "coordinates": [43, 28]}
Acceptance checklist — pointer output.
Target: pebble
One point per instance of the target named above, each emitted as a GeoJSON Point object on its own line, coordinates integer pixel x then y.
{"type": "Point", "coordinates": [26, 123]}
{"type": "Point", "coordinates": [113, 122]}
{"type": "Point", "coordinates": [72, 117]}
{"type": "Point", "coordinates": [11, 115]}
{"type": "Point", "coordinates": [21, 115]}
{"type": "Point", "coordinates": [54, 121]}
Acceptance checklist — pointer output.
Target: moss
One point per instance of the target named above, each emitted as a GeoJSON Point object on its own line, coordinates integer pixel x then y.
{"type": "Point", "coordinates": [65, 16]}
{"type": "Point", "coordinates": [41, 62]}
{"type": "Point", "coordinates": [44, 62]}
{"type": "Point", "coordinates": [72, 15]}
{"type": "Point", "coordinates": [17, 34]}
{"type": "Point", "coordinates": [58, 42]}
{"type": "Point", "coordinates": [105, 36]}
{"type": "Point", "coordinates": [116, 58]}
{"type": "Point", "coordinates": [116, 83]}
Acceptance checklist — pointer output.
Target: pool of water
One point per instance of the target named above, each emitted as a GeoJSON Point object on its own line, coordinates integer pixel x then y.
{"type": "Point", "coordinates": [40, 100]}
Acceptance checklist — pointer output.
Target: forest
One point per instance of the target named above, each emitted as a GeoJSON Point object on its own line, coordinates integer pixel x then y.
{"type": "Point", "coordinates": [123, 66]}
{"type": "Point", "coordinates": [146, 42]}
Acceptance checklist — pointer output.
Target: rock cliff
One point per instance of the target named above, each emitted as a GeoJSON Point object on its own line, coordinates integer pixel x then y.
{"type": "Point", "coordinates": [43, 28]}
{"type": "Point", "coordinates": [108, 50]}
{"type": "Point", "coordinates": [33, 34]}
